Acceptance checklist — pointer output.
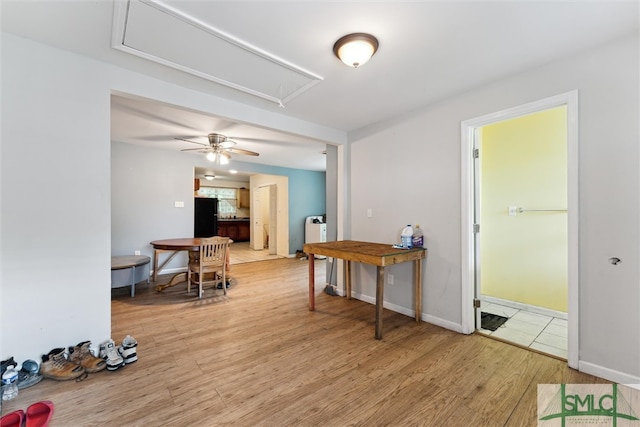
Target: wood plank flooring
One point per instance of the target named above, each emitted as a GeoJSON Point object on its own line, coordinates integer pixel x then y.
{"type": "Point", "coordinates": [258, 357]}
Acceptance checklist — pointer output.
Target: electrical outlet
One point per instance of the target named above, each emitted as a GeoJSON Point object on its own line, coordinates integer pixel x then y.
{"type": "Point", "coordinates": [390, 279]}
{"type": "Point", "coordinates": [513, 210]}
{"type": "Point", "coordinates": [137, 252]}
{"type": "Point", "coordinates": [369, 213]}
{"type": "Point", "coordinates": [178, 204]}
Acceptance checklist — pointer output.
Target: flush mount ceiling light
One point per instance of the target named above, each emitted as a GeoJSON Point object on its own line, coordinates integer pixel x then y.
{"type": "Point", "coordinates": [355, 49]}
{"type": "Point", "coordinates": [209, 177]}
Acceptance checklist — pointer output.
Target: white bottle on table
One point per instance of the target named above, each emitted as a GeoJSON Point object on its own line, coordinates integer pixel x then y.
{"type": "Point", "coordinates": [407, 236]}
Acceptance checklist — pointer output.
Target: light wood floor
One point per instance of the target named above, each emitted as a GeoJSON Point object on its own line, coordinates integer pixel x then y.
{"type": "Point", "coordinates": [258, 357]}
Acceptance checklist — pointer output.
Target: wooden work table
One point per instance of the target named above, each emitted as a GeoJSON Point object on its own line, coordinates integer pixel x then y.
{"type": "Point", "coordinates": [378, 254]}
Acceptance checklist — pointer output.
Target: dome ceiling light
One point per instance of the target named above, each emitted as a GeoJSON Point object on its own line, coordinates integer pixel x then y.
{"type": "Point", "coordinates": [355, 49]}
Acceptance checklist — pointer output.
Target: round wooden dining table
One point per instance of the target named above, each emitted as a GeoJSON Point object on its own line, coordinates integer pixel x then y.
{"type": "Point", "coordinates": [175, 246]}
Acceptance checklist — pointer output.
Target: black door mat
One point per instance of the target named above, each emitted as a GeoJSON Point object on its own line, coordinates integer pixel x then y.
{"type": "Point", "coordinates": [491, 321]}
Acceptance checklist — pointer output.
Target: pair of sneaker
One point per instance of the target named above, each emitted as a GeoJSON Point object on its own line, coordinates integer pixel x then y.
{"type": "Point", "coordinates": [118, 356]}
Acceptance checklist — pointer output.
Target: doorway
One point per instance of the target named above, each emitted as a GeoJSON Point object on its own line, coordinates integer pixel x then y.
{"type": "Point", "coordinates": [520, 218]}
{"type": "Point", "coordinates": [265, 218]}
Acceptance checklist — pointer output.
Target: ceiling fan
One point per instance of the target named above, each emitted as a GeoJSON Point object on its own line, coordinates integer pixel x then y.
{"type": "Point", "coordinates": [219, 149]}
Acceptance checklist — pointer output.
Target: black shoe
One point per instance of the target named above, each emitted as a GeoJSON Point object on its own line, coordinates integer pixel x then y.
{"type": "Point", "coordinates": [4, 365]}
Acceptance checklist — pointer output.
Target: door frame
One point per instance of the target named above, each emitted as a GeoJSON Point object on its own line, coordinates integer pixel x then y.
{"type": "Point", "coordinates": [468, 130]}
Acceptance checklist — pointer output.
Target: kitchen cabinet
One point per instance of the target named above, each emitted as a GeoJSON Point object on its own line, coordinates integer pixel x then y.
{"type": "Point", "coordinates": [236, 230]}
{"type": "Point", "coordinates": [244, 233]}
{"type": "Point", "coordinates": [196, 184]}
{"type": "Point", "coordinates": [244, 199]}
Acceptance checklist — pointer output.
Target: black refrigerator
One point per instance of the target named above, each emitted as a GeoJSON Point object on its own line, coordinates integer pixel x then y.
{"type": "Point", "coordinates": [205, 223]}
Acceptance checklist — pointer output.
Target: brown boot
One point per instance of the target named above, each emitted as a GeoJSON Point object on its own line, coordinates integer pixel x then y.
{"type": "Point", "coordinates": [81, 355]}
{"type": "Point", "coordinates": [57, 367]}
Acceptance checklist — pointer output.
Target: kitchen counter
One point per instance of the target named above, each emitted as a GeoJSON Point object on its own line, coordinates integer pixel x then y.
{"type": "Point", "coordinates": [238, 229]}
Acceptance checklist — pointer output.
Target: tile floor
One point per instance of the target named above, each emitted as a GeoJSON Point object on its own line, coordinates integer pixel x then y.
{"type": "Point", "coordinates": [543, 333]}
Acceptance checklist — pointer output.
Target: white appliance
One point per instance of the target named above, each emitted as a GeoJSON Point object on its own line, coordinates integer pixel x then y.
{"type": "Point", "coordinates": [315, 231]}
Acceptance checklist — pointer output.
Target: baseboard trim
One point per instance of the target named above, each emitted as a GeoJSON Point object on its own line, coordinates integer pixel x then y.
{"type": "Point", "coordinates": [525, 307]}
{"type": "Point", "coordinates": [385, 304]}
{"type": "Point", "coordinates": [447, 324]}
{"type": "Point", "coordinates": [456, 327]}
{"type": "Point", "coordinates": [609, 374]}
{"type": "Point", "coordinates": [172, 270]}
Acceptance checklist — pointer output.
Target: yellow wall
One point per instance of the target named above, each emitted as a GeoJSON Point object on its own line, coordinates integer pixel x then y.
{"type": "Point", "coordinates": [523, 163]}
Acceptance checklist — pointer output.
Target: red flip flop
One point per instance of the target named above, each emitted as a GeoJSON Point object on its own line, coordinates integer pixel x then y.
{"type": "Point", "coordinates": [12, 419]}
{"type": "Point", "coordinates": [39, 414]}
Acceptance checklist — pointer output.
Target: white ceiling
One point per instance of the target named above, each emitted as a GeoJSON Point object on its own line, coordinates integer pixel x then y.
{"type": "Point", "coordinates": [429, 50]}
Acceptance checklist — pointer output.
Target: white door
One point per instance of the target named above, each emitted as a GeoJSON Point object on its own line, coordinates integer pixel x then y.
{"type": "Point", "coordinates": [471, 266]}
{"type": "Point", "coordinates": [521, 211]}
{"type": "Point", "coordinates": [257, 236]}
{"type": "Point", "coordinates": [273, 219]}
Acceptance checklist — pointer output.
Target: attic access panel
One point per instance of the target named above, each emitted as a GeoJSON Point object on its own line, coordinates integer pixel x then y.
{"type": "Point", "coordinates": [163, 34]}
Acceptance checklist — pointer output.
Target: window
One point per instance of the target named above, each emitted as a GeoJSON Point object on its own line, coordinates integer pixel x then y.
{"type": "Point", "coordinates": [226, 199]}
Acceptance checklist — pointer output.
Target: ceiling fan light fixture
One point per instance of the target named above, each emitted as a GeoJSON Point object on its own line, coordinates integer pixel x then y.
{"type": "Point", "coordinates": [355, 49]}
{"type": "Point", "coordinates": [223, 158]}
{"type": "Point", "coordinates": [211, 156]}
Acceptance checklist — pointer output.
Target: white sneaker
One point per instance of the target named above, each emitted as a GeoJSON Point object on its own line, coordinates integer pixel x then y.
{"type": "Point", "coordinates": [109, 353]}
{"type": "Point", "coordinates": [129, 349]}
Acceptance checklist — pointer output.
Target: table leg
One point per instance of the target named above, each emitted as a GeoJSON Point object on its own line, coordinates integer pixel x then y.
{"type": "Point", "coordinates": [155, 265]}
{"type": "Point", "coordinates": [312, 280]}
{"type": "Point", "coordinates": [417, 269]}
{"type": "Point", "coordinates": [156, 268]}
{"type": "Point", "coordinates": [133, 281]}
{"type": "Point", "coordinates": [379, 301]}
{"type": "Point", "coordinates": [347, 278]}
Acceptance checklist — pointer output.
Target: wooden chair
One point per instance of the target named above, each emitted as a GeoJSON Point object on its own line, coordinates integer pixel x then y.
{"type": "Point", "coordinates": [211, 260]}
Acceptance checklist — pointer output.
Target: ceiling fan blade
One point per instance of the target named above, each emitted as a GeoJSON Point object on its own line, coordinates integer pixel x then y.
{"type": "Point", "coordinates": [242, 151]}
{"type": "Point", "coordinates": [227, 144]}
{"type": "Point", "coordinates": [193, 142]}
{"type": "Point", "coordinates": [202, 150]}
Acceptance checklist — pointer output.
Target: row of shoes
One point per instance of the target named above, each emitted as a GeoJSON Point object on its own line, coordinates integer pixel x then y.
{"type": "Point", "coordinates": [37, 415]}
{"type": "Point", "coordinates": [80, 361]}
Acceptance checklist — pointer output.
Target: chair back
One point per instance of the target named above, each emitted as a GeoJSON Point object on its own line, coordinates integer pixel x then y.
{"type": "Point", "coordinates": [213, 251]}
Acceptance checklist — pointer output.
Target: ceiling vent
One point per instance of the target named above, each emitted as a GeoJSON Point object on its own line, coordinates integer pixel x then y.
{"type": "Point", "coordinates": [163, 34]}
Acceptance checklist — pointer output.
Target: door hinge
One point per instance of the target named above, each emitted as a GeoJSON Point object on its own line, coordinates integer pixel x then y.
{"type": "Point", "coordinates": [476, 303]}
{"type": "Point", "coordinates": [476, 228]}
{"type": "Point", "coordinates": [476, 153]}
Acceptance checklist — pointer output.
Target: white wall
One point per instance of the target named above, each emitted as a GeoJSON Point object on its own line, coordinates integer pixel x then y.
{"type": "Point", "coordinates": [145, 184]}
{"type": "Point", "coordinates": [417, 174]}
{"type": "Point", "coordinates": [55, 226]}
